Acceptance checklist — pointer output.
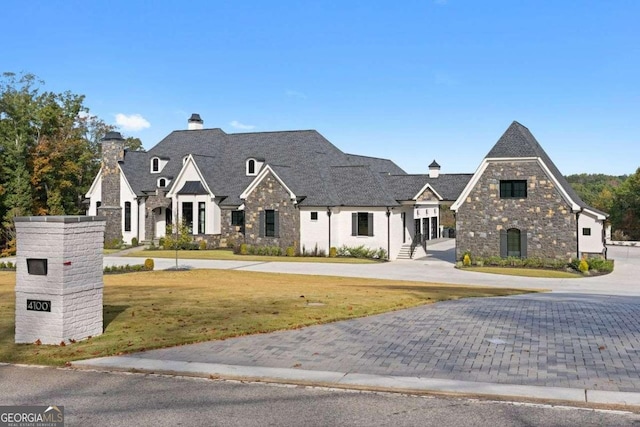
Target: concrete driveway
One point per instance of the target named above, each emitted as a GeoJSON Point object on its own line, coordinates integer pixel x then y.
{"type": "Point", "coordinates": [437, 266]}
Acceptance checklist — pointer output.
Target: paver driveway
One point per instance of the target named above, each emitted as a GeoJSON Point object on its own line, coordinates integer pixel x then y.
{"type": "Point", "coordinates": [564, 340]}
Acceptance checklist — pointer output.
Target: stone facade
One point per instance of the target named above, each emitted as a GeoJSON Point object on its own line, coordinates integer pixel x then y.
{"type": "Point", "coordinates": [153, 202]}
{"type": "Point", "coordinates": [232, 235]}
{"type": "Point", "coordinates": [544, 215]}
{"type": "Point", "coordinates": [112, 154]}
{"type": "Point", "coordinates": [427, 196]}
{"type": "Point", "coordinates": [270, 194]}
{"type": "Point", "coordinates": [72, 286]}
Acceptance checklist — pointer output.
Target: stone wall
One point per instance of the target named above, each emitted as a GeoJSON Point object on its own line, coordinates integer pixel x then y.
{"type": "Point", "coordinates": [270, 194]}
{"type": "Point", "coordinates": [73, 284]}
{"type": "Point", "coordinates": [231, 235]}
{"type": "Point", "coordinates": [544, 215]}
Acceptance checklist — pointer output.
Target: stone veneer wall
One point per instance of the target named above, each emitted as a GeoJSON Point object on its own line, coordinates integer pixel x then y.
{"type": "Point", "coordinates": [158, 200]}
{"type": "Point", "coordinates": [544, 215]}
{"type": "Point", "coordinates": [72, 246]}
{"type": "Point", "coordinates": [270, 194]}
{"type": "Point", "coordinates": [231, 234]}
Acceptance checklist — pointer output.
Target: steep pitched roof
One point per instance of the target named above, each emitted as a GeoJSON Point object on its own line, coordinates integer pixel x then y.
{"type": "Point", "coordinates": [305, 160]}
{"type": "Point", "coordinates": [406, 187]}
{"type": "Point", "coordinates": [518, 141]}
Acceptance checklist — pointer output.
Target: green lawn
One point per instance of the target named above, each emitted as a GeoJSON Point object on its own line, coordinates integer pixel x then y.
{"type": "Point", "coordinates": [167, 308]}
{"type": "Point", "coordinates": [228, 255]}
{"type": "Point", "coordinates": [525, 272]}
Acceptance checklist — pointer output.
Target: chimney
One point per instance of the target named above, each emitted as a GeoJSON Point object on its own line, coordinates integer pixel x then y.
{"type": "Point", "coordinates": [112, 154]}
{"type": "Point", "coordinates": [434, 170]}
{"type": "Point", "coordinates": [195, 122]}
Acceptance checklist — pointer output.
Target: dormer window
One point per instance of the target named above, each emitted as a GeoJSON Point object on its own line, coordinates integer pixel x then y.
{"type": "Point", "coordinates": [162, 182]}
{"type": "Point", "coordinates": [184, 159]}
{"type": "Point", "coordinates": [251, 167]}
{"type": "Point", "coordinates": [155, 165]}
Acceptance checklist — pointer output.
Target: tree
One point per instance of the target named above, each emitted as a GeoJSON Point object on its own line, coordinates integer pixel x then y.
{"type": "Point", "coordinates": [49, 149]}
{"type": "Point", "coordinates": [625, 211]}
{"type": "Point", "coordinates": [133, 144]}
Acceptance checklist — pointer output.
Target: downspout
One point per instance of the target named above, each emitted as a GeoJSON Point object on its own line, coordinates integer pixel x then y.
{"type": "Point", "coordinates": [388, 234]}
{"type": "Point", "coordinates": [329, 215]}
{"type": "Point", "coordinates": [578, 233]}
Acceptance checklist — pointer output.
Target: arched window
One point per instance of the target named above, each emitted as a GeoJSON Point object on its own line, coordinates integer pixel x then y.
{"type": "Point", "coordinates": [251, 167]}
{"type": "Point", "coordinates": [155, 165]}
{"type": "Point", "coordinates": [514, 243]}
{"type": "Point", "coordinates": [162, 182]}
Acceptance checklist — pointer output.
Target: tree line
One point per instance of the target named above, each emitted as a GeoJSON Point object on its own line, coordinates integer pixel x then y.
{"type": "Point", "coordinates": [49, 151]}
{"type": "Point", "coordinates": [619, 196]}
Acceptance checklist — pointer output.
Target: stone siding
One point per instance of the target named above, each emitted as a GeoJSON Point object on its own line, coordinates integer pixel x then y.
{"type": "Point", "coordinates": [72, 247]}
{"type": "Point", "coordinates": [158, 200]}
{"type": "Point", "coordinates": [544, 215]}
{"type": "Point", "coordinates": [231, 235]}
{"type": "Point", "coordinates": [270, 194]}
{"type": "Point", "coordinates": [427, 196]}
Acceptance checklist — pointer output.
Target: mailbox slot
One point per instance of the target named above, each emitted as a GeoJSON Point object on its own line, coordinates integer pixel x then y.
{"type": "Point", "coordinates": [37, 266]}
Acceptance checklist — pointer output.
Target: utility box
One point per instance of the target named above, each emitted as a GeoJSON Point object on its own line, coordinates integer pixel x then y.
{"type": "Point", "coordinates": [58, 278]}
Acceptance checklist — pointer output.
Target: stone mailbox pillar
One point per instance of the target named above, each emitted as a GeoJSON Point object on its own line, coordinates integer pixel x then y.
{"type": "Point", "coordinates": [58, 278]}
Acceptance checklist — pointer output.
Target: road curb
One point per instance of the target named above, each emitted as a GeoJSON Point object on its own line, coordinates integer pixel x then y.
{"type": "Point", "coordinates": [363, 381]}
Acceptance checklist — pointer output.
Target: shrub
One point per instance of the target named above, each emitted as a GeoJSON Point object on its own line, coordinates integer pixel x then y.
{"type": "Point", "coordinates": [381, 253]}
{"type": "Point", "coordinates": [149, 264]}
{"type": "Point", "coordinates": [161, 242]}
{"type": "Point", "coordinates": [113, 244]}
{"type": "Point", "coordinates": [134, 242]}
{"type": "Point", "coordinates": [600, 264]}
{"type": "Point", "coordinates": [466, 260]}
{"type": "Point", "coordinates": [243, 249]}
{"type": "Point", "coordinates": [11, 265]}
{"type": "Point", "coordinates": [202, 245]}
{"type": "Point", "coordinates": [291, 251]}
{"type": "Point", "coordinates": [584, 265]}
{"type": "Point", "coordinates": [619, 235]}
{"type": "Point", "coordinates": [333, 252]}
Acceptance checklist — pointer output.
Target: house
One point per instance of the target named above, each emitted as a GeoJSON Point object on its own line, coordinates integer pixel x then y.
{"type": "Point", "coordinates": [518, 204]}
{"type": "Point", "coordinates": [287, 189]}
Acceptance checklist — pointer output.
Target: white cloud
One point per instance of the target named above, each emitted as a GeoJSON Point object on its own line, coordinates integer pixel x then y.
{"type": "Point", "coordinates": [295, 94]}
{"type": "Point", "coordinates": [133, 122]}
{"type": "Point", "coordinates": [236, 124]}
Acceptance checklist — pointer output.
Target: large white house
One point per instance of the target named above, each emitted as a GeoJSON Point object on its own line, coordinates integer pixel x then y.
{"type": "Point", "coordinates": [267, 188]}
{"type": "Point", "coordinates": [296, 189]}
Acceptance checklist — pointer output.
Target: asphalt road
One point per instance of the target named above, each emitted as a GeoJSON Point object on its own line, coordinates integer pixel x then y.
{"type": "Point", "coordinates": [110, 399]}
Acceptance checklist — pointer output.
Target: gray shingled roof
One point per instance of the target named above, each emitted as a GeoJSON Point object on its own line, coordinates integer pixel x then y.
{"type": "Point", "coordinates": [518, 141]}
{"type": "Point", "coordinates": [304, 160]}
{"type": "Point", "coordinates": [448, 186]}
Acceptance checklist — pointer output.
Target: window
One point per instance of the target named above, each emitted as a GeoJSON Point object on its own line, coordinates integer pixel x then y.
{"type": "Point", "coordinates": [586, 232]}
{"type": "Point", "coordinates": [237, 218]}
{"type": "Point", "coordinates": [513, 242]}
{"type": "Point", "coordinates": [270, 223]}
{"type": "Point", "coordinates": [513, 189]}
{"type": "Point", "coordinates": [187, 215]}
{"type": "Point", "coordinates": [314, 216]}
{"type": "Point", "coordinates": [251, 167]}
{"type": "Point", "coordinates": [155, 165]}
{"type": "Point", "coordinates": [127, 216]}
{"type": "Point", "coordinates": [201, 217]}
{"type": "Point", "coordinates": [168, 216]}
{"type": "Point", "coordinates": [162, 183]}
{"type": "Point", "coordinates": [362, 224]}
{"type": "Point", "coordinates": [98, 204]}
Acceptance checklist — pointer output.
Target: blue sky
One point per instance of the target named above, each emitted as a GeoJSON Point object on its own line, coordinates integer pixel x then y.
{"type": "Point", "coordinates": [412, 81]}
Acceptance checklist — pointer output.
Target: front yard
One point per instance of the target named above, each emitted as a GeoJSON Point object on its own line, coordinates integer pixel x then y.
{"type": "Point", "coordinates": [167, 308]}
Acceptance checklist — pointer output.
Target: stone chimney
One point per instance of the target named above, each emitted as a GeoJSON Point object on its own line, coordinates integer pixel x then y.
{"type": "Point", "coordinates": [434, 170]}
{"type": "Point", "coordinates": [195, 122]}
{"type": "Point", "coordinates": [112, 154]}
